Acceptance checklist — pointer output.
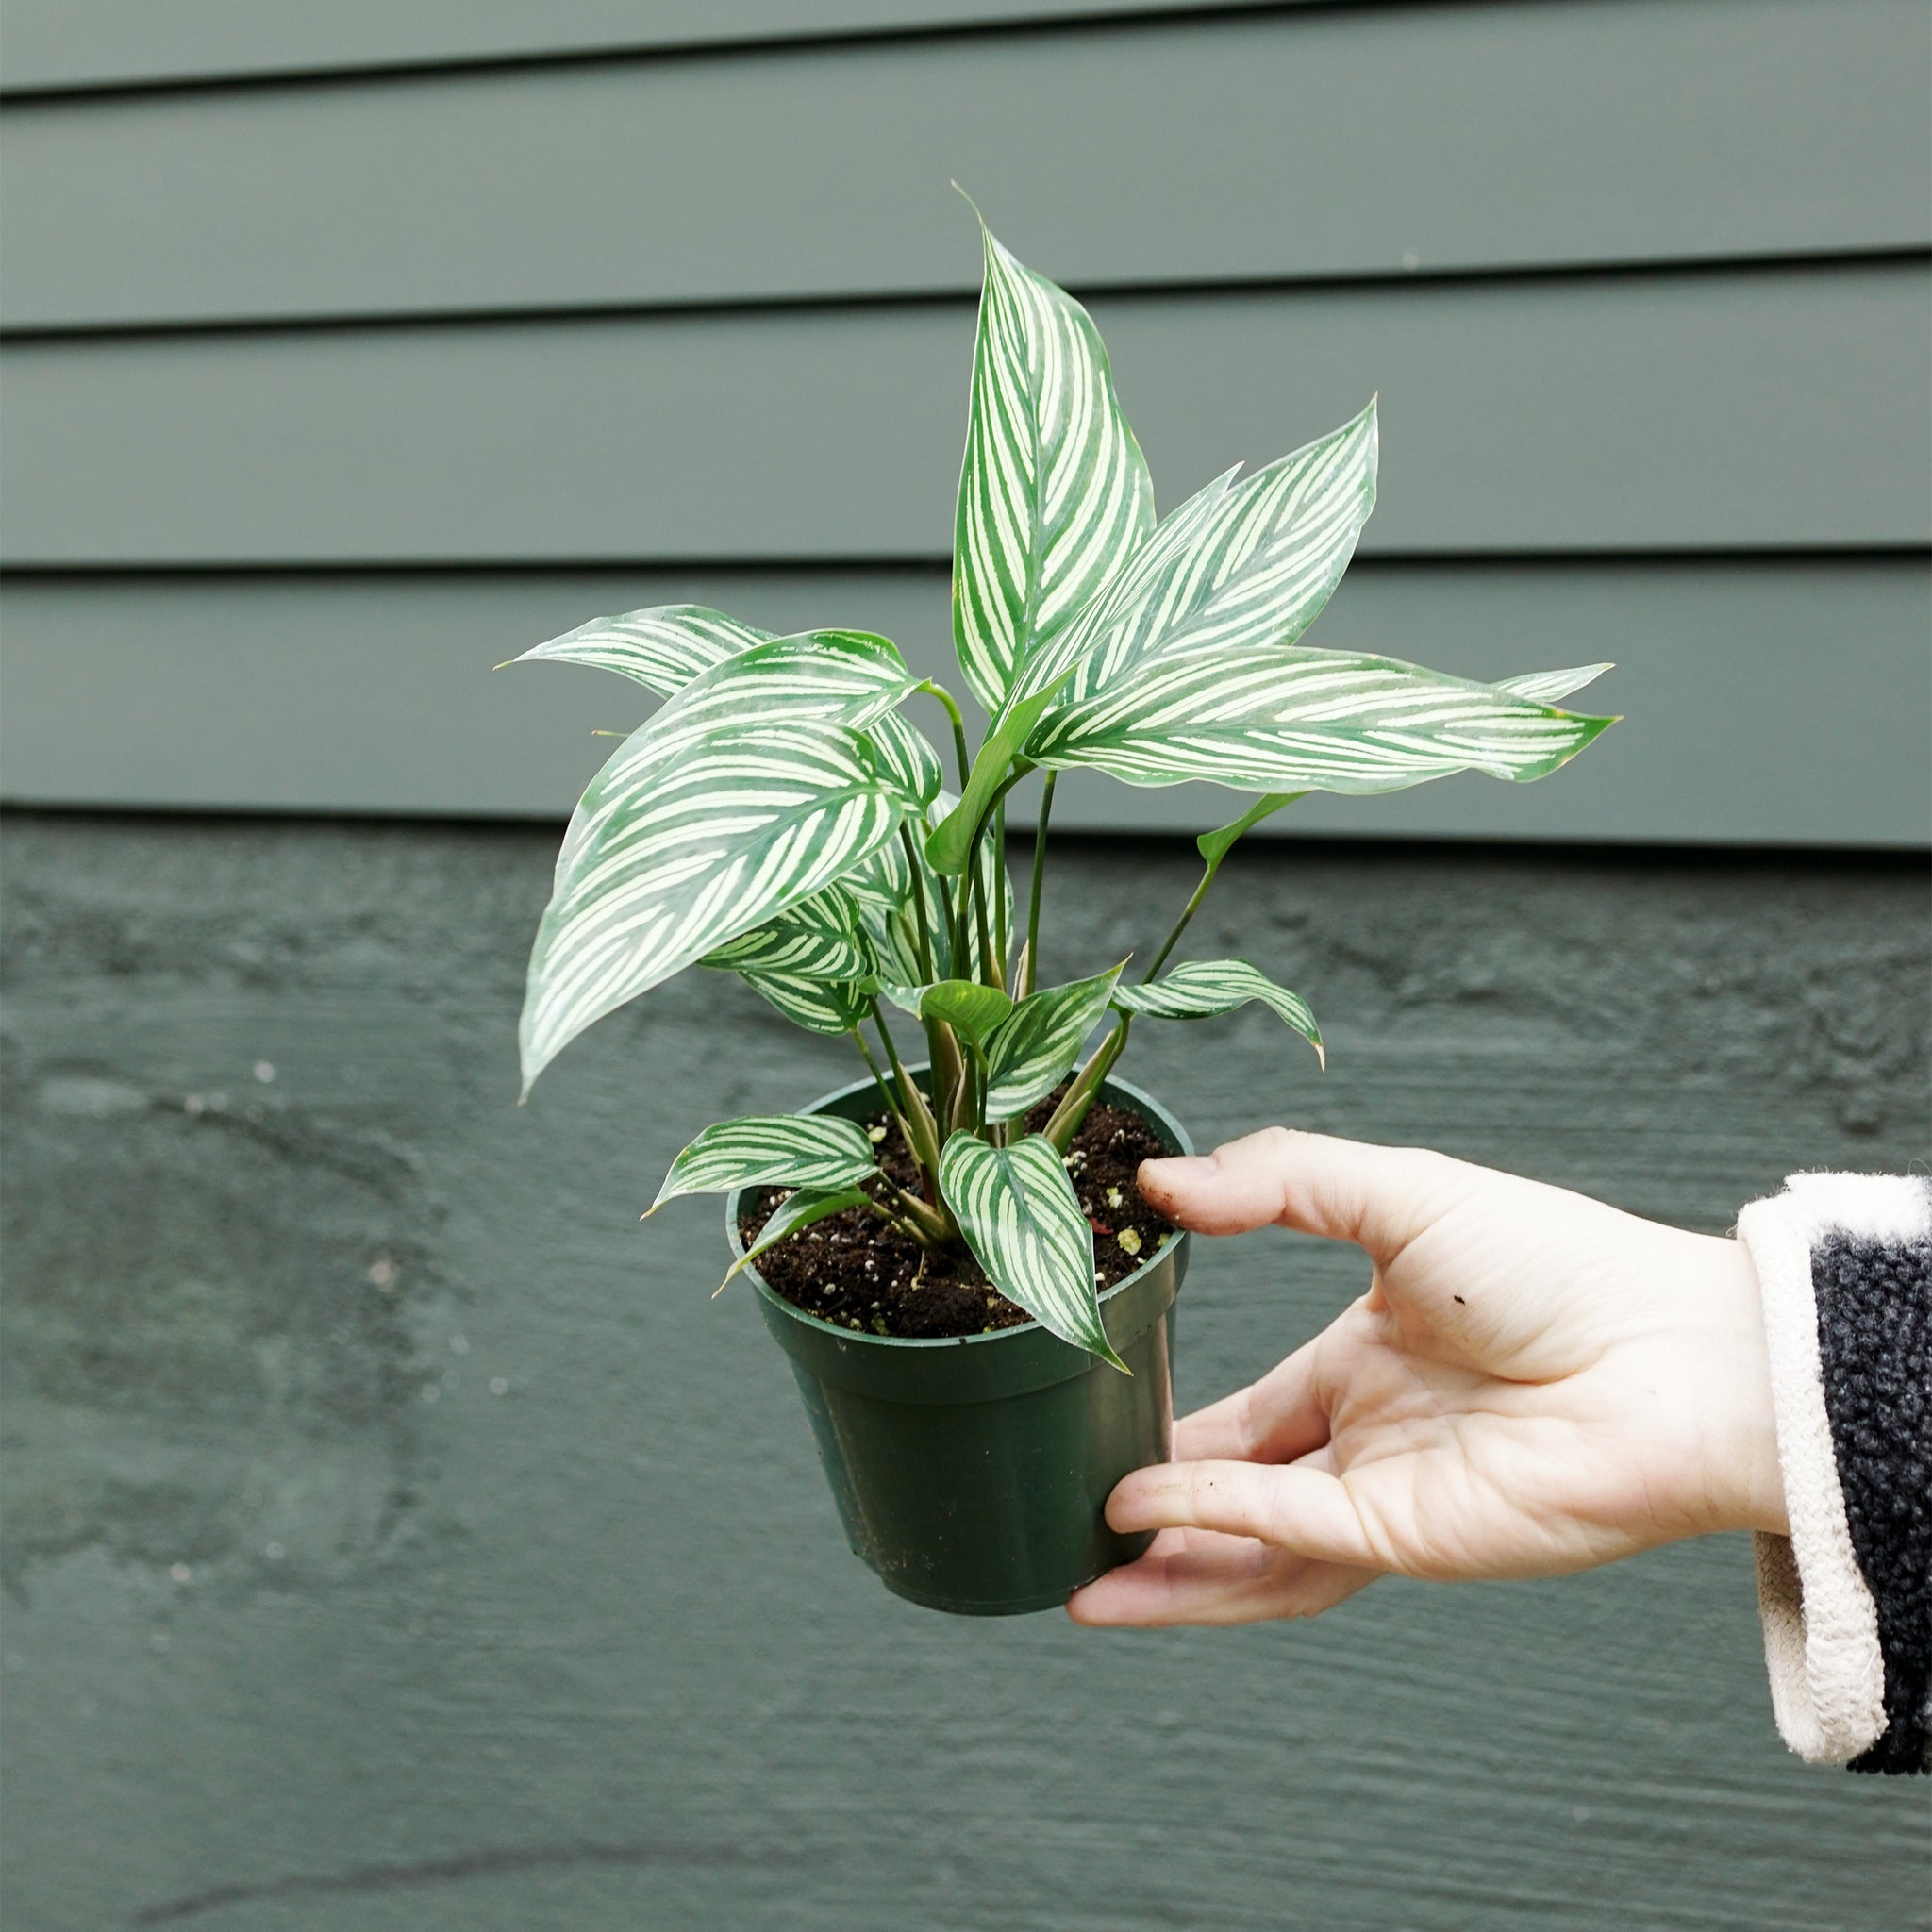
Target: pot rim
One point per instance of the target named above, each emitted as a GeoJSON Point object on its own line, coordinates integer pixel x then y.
{"type": "Point", "coordinates": [1143, 1102]}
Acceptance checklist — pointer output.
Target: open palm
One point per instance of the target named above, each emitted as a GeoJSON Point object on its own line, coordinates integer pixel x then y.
{"type": "Point", "coordinates": [1534, 1383]}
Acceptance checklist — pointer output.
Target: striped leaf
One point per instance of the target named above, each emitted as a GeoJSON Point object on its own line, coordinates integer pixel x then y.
{"type": "Point", "coordinates": [1550, 687]}
{"type": "Point", "coordinates": [851, 676]}
{"type": "Point", "coordinates": [819, 1006]}
{"type": "Point", "coordinates": [1016, 1207]}
{"type": "Point", "coordinates": [664, 862]}
{"type": "Point", "coordinates": [771, 1150]}
{"type": "Point", "coordinates": [1054, 490]}
{"type": "Point", "coordinates": [663, 648]}
{"type": "Point", "coordinates": [1265, 557]}
{"type": "Point", "coordinates": [1032, 1049]}
{"type": "Point", "coordinates": [798, 1210]}
{"type": "Point", "coordinates": [906, 756]}
{"type": "Point", "coordinates": [1200, 989]}
{"type": "Point", "coordinates": [1281, 717]}
{"type": "Point", "coordinates": [818, 939]}
{"type": "Point", "coordinates": [1136, 586]}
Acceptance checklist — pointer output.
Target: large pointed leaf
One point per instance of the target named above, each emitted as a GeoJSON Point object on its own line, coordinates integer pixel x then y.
{"type": "Point", "coordinates": [666, 862]}
{"type": "Point", "coordinates": [1200, 989]}
{"type": "Point", "coordinates": [1548, 687]}
{"type": "Point", "coordinates": [663, 648]}
{"type": "Point", "coordinates": [1054, 490]}
{"type": "Point", "coordinates": [1138, 585]}
{"type": "Point", "coordinates": [798, 1210]}
{"type": "Point", "coordinates": [1031, 1050]}
{"type": "Point", "coordinates": [1259, 569]}
{"type": "Point", "coordinates": [1039, 678]}
{"type": "Point", "coordinates": [1281, 717]}
{"type": "Point", "coordinates": [771, 1150]}
{"type": "Point", "coordinates": [1016, 1207]}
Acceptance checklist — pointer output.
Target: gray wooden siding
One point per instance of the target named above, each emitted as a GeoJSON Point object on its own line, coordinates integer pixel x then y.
{"type": "Point", "coordinates": [1752, 687]}
{"type": "Point", "coordinates": [1502, 137]}
{"type": "Point", "coordinates": [1640, 282]}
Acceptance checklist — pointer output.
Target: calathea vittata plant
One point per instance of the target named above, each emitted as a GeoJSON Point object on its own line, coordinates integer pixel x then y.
{"type": "Point", "coordinates": [780, 817]}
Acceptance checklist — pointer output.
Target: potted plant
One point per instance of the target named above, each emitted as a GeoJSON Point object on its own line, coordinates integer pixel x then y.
{"type": "Point", "coordinates": [976, 1302]}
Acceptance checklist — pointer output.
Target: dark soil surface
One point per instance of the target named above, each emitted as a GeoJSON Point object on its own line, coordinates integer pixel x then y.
{"type": "Point", "coordinates": [853, 1270]}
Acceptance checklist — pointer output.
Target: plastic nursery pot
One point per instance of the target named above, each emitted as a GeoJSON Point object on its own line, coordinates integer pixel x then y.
{"type": "Point", "coordinates": [970, 1473]}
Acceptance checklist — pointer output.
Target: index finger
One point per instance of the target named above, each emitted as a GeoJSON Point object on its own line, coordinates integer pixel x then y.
{"type": "Point", "coordinates": [1381, 1198]}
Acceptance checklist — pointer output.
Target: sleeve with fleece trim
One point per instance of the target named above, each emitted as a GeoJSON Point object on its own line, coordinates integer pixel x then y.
{"type": "Point", "coordinates": [1845, 1263]}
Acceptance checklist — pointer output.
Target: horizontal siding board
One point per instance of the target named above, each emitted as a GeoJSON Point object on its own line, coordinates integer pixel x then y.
{"type": "Point", "coordinates": [90, 44]}
{"type": "Point", "coordinates": [1769, 703]}
{"type": "Point", "coordinates": [1535, 135]}
{"type": "Point", "coordinates": [1763, 410]}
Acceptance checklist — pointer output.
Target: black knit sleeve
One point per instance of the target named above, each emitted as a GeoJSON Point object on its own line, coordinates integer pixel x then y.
{"type": "Point", "coordinates": [1844, 1264]}
{"type": "Point", "coordinates": [1874, 1349]}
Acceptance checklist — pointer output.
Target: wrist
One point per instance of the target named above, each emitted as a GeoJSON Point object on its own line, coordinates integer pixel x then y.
{"type": "Point", "coordinates": [1748, 1481]}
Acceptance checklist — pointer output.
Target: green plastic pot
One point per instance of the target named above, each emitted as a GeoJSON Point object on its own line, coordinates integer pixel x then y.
{"type": "Point", "coordinates": [970, 1473]}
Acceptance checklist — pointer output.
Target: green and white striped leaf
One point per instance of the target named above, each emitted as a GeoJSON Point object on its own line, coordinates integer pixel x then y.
{"type": "Point", "coordinates": [1266, 558]}
{"type": "Point", "coordinates": [665, 862]}
{"type": "Point", "coordinates": [1551, 687]}
{"type": "Point", "coordinates": [1031, 1051]}
{"type": "Point", "coordinates": [852, 677]}
{"type": "Point", "coordinates": [1136, 586]}
{"type": "Point", "coordinates": [663, 648]}
{"type": "Point", "coordinates": [907, 756]}
{"type": "Point", "coordinates": [798, 1210]}
{"type": "Point", "coordinates": [819, 1006]}
{"type": "Point", "coordinates": [1016, 1207]}
{"type": "Point", "coordinates": [819, 938]}
{"type": "Point", "coordinates": [1054, 492]}
{"type": "Point", "coordinates": [1281, 717]}
{"type": "Point", "coordinates": [1201, 989]}
{"type": "Point", "coordinates": [771, 1150]}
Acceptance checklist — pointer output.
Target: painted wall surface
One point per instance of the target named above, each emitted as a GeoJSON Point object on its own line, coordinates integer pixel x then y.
{"type": "Point", "coordinates": [397, 1536]}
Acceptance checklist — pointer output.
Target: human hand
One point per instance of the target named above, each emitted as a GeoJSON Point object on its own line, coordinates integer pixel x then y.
{"type": "Point", "coordinates": [1534, 1383]}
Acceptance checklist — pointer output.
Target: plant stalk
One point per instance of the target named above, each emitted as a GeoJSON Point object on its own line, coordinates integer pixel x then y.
{"type": "Point", "coordinates": [1029, 963]}
{"type": "Point", "coordinates": [959, 752]}
{"type": "Point", "coordinates": [915, 1120]}
{"type": "Point", "coordinates": [913, 863]}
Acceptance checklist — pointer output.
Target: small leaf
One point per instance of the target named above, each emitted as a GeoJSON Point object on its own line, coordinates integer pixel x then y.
{"type": "Point", "coordinates": [798, 1210]}
{"type": "Point", "coordinates": [818, 939]}
{"type": "Point", "coordinates": [945, 849]}
{"type": "Point", "coordinates": [776, 1150]}
{"type": "Point", "coordinates": [1016, 1207]}
{"type": "Point", "coordinates": [1214, 846]}
{"type": "Point", "coordinates": [971, 1009]}
{"type": "Point", "coordinates": [1549, 687]}
{"type": "Point", "coordinates": [663, 648]}
{"type": "Point", "coordinates": [1031, 1050]}
{"type": "Point", "coordinates": [1200, 989]}
{"type": "Point", "coordinates": [827, 1007]}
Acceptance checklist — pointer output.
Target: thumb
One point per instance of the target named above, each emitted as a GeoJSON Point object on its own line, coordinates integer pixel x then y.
{"type": "Point", "coordinates": [1380, 1197]}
